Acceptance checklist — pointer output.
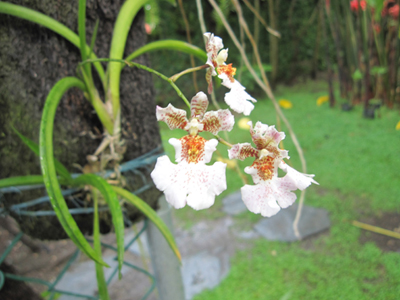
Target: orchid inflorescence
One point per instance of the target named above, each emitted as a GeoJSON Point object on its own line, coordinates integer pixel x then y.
{"type": "Point", "coordinates": [196, 184]}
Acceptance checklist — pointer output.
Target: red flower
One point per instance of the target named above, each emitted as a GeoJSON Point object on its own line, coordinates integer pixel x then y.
{"type": "Point", "coordinates": [394, 11]}
{"type": "Point", "coordinates": [354, 5]}
{"type": "Point", "coordinates": [390, 7]}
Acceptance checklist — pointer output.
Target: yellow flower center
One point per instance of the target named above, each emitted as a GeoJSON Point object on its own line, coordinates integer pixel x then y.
{"type": "Point", "coordinates": [192, 148]}
{"type": "Point", "coordinates": [228, 70]}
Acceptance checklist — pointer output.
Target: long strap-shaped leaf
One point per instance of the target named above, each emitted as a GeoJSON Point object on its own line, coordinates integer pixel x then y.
{"type": "Point", "coordinates": [121, 29]}
{"type": "Point", "coordinates": [169, 45]}
{"type": "Point", "coordinates": [48, 168]}
{"type": "Point", "coordinates": [112, 201]}
{"type": "Point", "coordinates": [21, 180]}
{"type": "Point", "coordinates": [101, 280]}
{"type": "Point", "coordinates": [151, 214]}
{"type": "Point", "coordinates": [35, 149]}
{"type": "Point", "coordinates": [57, 27]}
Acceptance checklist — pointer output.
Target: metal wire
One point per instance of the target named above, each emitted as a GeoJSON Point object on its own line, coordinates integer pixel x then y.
{"type": "Point", "coordinates": [51, 286]}
{"type": "Point", "coordinates": [128, 167]}
{"type": "Point", "coordinates": [22, 209]}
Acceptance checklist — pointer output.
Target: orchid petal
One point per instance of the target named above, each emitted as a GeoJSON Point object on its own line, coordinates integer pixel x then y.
{"type": "Point", "coordinates": [188, 144]}
{"type": "Point", "coordinates": [189, 183]}
{"type": "Point", "coordinates": [178, 149]}
{"type": "Point", "coordinates": [208, 182]}
{"type": "Point", "coordinates": [209, 76]}
{"type": "Point", "coordinates": [213, 45]}
{"type": "Point", "coordinates": [222, 57]}
{"type": "Point", "coordinates": [300, 180]}
{"type": "Point", "coordinates": [198, 105]}
{"type": "Point", "coordinates": [220, 120]}
{"type": "Point", "coordinates": [262, 198]}
{"type": "Point", "coordinates": [242, 151]}
{"type": "Point", "coordinates": [259, 200]}
{"type": "Point", "coordinates": [164, 176]}
{"type": "Point", "coordinates": [173, 117]}
{"type": "Point", "coordinates": [237, 98]}
{"type": "Point", "coordinates": [209, 148]}
{"type": "Point", "coordinates": [264, 136]}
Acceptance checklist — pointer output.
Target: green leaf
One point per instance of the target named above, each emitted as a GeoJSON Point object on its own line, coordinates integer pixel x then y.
{"type": "Point", "coordinates": [113, 203]}
{"type": "Point", "coordinates": [48, 168]}
{"type": "Point", "coordinates": [35, 148]}
{"type": "Point", "coordinates": [21, 180]}
{"type": "Point", "coordinates": [379, 70]}
{"type": "Point", "coordinates": [57, 27]}
{"type": "Point", "coordinates": [357, 75]}
{"type": "Point", "coordinates": [101, 281]}
{"type": "Point", "coordinates": [121, 29]}
{"type": "Point", "coordinates": [82, 36]}
{"type": "Point", "coordinates": [169, 45]}
{"type": "Point", "coordinates": [94, 36]}
{"type": "Point", "coordinates": [151, 214]}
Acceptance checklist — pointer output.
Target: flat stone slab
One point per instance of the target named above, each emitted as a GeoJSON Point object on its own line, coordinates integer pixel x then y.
{"type": "Point", "coordinates": [81, 278]}
{"type": "Point", "coordinates": [233, 204]}
{"type": "Point", "coordinates": [280, 226]}
{"type": "Point", "coordinates": [201, 271]}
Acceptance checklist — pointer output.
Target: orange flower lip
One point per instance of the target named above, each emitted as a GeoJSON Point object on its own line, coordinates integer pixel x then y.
{"type": "Point", "coordinates": [228, 70]}
{"type": "Point", "coordinates": [265, 167]}
{"type": "Point", "coordinates": [192, 148]}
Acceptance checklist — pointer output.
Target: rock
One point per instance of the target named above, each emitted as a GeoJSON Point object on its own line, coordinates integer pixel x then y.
{"type": "Point", "coordinates": [233, 204]}
{"type": "Point", "coordinates": [81, 278]}
{"type": "Point", "coordinates": [247, 235]}
{"type": "Point", "coordinates": [201, 271]}
{"type": "Point", "coordinates": [280, 226]}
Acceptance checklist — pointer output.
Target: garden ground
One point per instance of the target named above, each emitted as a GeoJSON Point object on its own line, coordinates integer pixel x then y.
{"type": "Point", "coordinates": [356, 162]}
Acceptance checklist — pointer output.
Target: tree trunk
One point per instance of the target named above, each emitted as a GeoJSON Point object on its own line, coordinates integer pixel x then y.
{"type": "Point", "coordinates": [34, 58]}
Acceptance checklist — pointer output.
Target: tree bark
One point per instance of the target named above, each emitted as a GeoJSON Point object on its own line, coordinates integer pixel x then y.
{"type": "Point", "coordinates": [34, 58]}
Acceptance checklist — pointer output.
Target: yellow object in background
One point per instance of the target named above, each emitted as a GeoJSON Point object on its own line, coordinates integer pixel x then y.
{"type": "Point", "coordinates": [286, 104]}
{"type": "Point", "coordinates": [398, 126]}
{"type": "Point", "coordinates": [322, 100]}
{"type": "Point", "coordinates": [243, 123]}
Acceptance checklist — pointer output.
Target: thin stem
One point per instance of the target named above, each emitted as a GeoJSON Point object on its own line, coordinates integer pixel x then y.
{"type": "Point", "coordinates": [97, 104]}
{"type": "Point", "coordinates": [189, 39]}
{"type": "Point", "coordinates": [377, 229]}
{"type": "Point", "coordinates": [82, 37]}
{"type": "Point", "coordinates": [261, 19]}
{"type": "Point", "coordinates": [201, 16]}
{"type": "Point", "coordinates": [222, 141]}
{"type": "Point", "coordinates": [187, 71]}
{"type": "Point", "coordinates": [263, 84]}
{"type": "Point", "coordinates": [133, 64]}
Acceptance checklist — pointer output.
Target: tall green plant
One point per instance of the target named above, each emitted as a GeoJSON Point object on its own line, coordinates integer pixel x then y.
{"type": "Point", "coordinates": [51, 168]}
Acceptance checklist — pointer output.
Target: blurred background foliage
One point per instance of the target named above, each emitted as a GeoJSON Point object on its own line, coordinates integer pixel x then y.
{"type": "Point", "coordinates": [300, 54]}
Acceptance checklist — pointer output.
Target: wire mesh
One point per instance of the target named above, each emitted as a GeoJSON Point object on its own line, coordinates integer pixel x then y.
{"type": "Point", "coordinates": [26, 209]}
{"type": "Point", "coordinates": [51, 286]}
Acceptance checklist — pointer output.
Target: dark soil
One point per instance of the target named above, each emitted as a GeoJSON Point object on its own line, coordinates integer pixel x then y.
{"type": "Point", "coordinates": [389, 221]}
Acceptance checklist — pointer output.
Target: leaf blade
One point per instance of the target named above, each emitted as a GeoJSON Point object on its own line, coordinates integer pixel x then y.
{"type": "Point", "coordinates": [115, 209]}
{"type": "Point", "coordinates": [60, 168]}
{"type": "Point", "coordinates": [48, 168]}
{"type": "Point", "coordinates": [152, 215]}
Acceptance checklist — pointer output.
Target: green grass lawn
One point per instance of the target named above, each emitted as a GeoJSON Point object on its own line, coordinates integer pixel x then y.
{"type": "Point", "coordinates": [357, 163]}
